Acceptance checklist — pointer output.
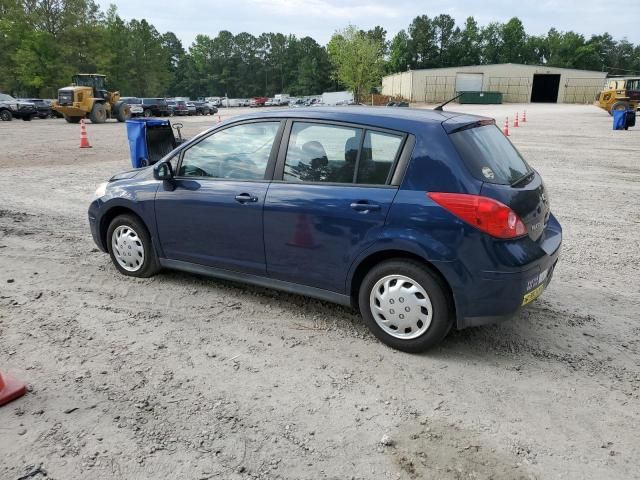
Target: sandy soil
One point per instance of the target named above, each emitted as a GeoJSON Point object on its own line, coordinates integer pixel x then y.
{"type": "Point", "coordinates": [184, 377]}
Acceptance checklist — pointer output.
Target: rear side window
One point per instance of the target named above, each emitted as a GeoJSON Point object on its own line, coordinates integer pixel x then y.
{"type": "Point", "coordinates": [378, 155]}
{"type": "Point", "coordinates": [489, 156]}
{"type": "Point", "coordinates": [322, 153]}
{"type": "Point", "coordinates": [331, 154]}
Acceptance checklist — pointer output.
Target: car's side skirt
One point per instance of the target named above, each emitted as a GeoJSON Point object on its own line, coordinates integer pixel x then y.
{"type": "Point", "coordinates": [258, 280]}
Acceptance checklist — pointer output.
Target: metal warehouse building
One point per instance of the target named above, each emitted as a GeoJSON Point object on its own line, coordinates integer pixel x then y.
{"type": "Point", "coordinates": [517, 83]}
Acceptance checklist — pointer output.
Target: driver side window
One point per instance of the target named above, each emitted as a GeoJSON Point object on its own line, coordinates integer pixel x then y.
{"type": "Point", "coordinates": [240, 152]}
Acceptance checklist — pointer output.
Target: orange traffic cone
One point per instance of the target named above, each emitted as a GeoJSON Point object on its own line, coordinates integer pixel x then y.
{"type": "Point", "coordinates": [524, 116]}
{"type": "Point", "coordinates": [516, 124]}
{"type": "Point", "coordinates": [84, 140]}
{"type": "Point", "coordinates": [10, 389]}
{"type": "Point", "coordinates": [505, 129]}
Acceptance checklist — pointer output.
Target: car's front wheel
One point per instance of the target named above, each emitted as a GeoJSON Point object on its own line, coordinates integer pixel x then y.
{"type": "Point", "coordinates": [130, 247]}
{"type": "Point", "coordinates": [404, 305]}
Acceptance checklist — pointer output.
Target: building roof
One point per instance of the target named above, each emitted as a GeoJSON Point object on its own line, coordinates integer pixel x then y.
{"type": "Point", "coordinates": [516, 65]}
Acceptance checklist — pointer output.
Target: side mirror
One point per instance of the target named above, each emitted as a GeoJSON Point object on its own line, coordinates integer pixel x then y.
{"type": "Point", "coordinates": [163, 171]}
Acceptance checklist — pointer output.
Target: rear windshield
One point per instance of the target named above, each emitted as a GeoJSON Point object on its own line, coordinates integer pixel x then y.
{"type": "Point", "coordinates": [489, 156]}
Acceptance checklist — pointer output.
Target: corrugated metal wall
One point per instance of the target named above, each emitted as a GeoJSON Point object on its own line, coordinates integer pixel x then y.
{"type": "Point", "coordinates": [513, 81]}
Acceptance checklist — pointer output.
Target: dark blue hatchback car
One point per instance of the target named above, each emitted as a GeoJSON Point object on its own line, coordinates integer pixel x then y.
{"type": "Point", "coordinates": [423, 220]}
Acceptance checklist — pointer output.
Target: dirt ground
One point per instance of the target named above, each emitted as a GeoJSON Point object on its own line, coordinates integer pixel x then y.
{"type": "Point", "coordinates": [185, 377]}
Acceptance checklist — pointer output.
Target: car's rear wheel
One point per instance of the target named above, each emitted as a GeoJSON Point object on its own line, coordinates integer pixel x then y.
{"type": "Point", "coordinates": [130, 247]}
{"type": "Point", "coordinates": [404, 305]}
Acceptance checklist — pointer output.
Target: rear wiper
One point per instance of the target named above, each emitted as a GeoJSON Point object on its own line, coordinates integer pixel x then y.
{"type": "Point", "coordinates": [523, 178]}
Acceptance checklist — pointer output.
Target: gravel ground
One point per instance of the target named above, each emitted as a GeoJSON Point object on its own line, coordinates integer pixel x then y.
{"type": "Point", "coordinates": [184, 377]}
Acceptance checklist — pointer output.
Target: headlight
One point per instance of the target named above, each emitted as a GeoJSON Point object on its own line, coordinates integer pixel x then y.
{"type": "Point", "coordinates": [101, 190]}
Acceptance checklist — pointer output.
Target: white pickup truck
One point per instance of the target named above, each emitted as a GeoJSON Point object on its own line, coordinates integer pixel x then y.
{"type": "Point", "coordinates": [135, 104]}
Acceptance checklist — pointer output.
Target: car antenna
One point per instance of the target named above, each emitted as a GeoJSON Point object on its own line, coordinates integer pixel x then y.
{"type": "Point", "coordinates": [439, 107]}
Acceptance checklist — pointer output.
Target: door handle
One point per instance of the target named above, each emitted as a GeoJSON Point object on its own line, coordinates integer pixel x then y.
{"type": "Point", "coordinates": [246, 198]}
{"type": "Point", "coordinates": [365, 207]}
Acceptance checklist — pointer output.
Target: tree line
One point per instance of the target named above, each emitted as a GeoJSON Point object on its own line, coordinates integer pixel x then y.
{"type": "Point", "coordinates": [44, 42]}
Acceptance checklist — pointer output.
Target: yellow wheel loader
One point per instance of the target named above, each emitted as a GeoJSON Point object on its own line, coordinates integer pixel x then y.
{"type": "Point", "coordinates": [619, 94]}
{"type": "Point", "coordinates": [87, 97]}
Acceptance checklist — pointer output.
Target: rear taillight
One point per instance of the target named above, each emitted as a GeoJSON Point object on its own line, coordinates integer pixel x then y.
{"type": "Point", "coordinates": [484, 213]}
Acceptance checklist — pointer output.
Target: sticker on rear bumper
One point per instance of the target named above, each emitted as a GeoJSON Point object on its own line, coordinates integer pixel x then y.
{"type": "Point", "coordinates": [532, 295]}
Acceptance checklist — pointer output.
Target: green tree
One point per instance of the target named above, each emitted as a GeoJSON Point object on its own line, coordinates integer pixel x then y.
{"type": "Point", "coordinates": [469, 46]}
{"type": "Point", "coordinates": [514, 40]}
{"type": "Point", "coordinates": [424, 52]}
{"type": "Point", "coordinates": [357, 60]}
{"type": "Point", "coordinates": [446, 37]}
{"type": "Point", "coordinates": [399, 53]}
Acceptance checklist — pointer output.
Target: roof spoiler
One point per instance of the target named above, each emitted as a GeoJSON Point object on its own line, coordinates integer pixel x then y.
{"type": "Point", "coordinates": [464, 122]}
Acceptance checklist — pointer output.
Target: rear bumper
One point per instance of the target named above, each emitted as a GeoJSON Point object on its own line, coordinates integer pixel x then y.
{"type": "Point", "coordinates": [512, 293]}
{"type": "Point", "coordinates": [493, 296]}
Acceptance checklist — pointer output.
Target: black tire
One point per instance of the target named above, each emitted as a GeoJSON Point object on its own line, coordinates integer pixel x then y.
{"type": "Point", "coordinates": [72, 119]}
{"type": "Point", "coordinates": [6, 115]}
{"type": "Point", "coordinates": [28, 118]}
{"type": "Point", "coordinates": [150, 265]}
{"type": "Point", "coordinates": [98, 113]}
{"type": "Point", "coordinates": [146, 113]}
{"type": "Point", "coordinates": [123, 111]}
{"type": "Point", "coordinates": [441, 320]}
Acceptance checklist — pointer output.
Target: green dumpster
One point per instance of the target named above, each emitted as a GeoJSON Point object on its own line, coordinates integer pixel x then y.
{"type": "Point", "coordinates": [484, 98]}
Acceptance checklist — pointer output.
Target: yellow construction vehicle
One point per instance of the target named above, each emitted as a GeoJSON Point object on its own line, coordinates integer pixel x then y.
{"type": "Point", "coordinates": [87, 97]}
{"type": "Point", "coordinates": [619, 94]}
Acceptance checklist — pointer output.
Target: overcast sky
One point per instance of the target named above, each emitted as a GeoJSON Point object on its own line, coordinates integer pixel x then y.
{"type": "Point", "coordinates": [320, 18]}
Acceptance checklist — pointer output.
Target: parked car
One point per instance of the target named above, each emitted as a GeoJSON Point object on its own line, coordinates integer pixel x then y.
{"type": "Point", "coordinates": [258, 102]}
{"type": "Point", "coordinates": [135, 105]}
{"type": "Point", "coordinates": [191, 108]}
{"type": "Point", "coordinates": [212, 108]}
{"type": "Point", "coordinates": [54, 113]}
{"type": "Point", "coordinates": [270, 102]}
{"type": "Point", "coordinates": [177, 107]}
{"type": "Point", "coordinates": [11, 108]}
{"type": "Point", "coordinates": [43, 109]}
{"type": "Point", "coordinates": [281, 99]}
{"type": "Point", "coordinates": [297, 103]}
{"type": "Point", "coordinates": [154, 107]}
{"type": "Point", "coordinates": [205, 108]}
{"type": "Point", "coordinates": [423, 220]}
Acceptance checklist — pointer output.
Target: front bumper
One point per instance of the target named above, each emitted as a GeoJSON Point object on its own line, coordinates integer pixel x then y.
{"type": "Point", "coordinates": [94, 209]}
{"type": "Point", "coordinates": [25, 111]}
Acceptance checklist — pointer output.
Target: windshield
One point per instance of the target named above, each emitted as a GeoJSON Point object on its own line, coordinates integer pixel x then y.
{"type": "Point", "coordinates": [489, 156]}
{"type": "Point", "coordinates": [6, 98]}
{"type": "Point", "coordinates": [633, 84]}
{"type": "Point", "coordinates": [89, 81]}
